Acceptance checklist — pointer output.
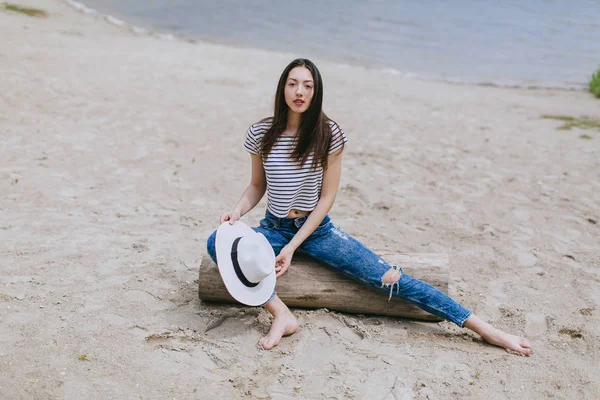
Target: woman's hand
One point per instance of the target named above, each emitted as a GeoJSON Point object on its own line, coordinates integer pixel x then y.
{"type": "Point", "coordinates": [230, 216]}
{"type": "Point", "coordinates": [283, 260]}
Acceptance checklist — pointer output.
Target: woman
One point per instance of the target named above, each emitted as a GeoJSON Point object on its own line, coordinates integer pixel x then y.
{"type": "Point", "coordinates": [297, 158]}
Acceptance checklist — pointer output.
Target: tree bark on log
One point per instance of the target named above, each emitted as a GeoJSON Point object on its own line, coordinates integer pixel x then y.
{"type": "Point", "coordinates": [308, 284]}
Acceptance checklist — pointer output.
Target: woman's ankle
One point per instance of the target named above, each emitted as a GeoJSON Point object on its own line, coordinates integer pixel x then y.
{"type": "Point", "coordinates": [276, 306]}
{"type": "Point", "coordinates": [478, 326]}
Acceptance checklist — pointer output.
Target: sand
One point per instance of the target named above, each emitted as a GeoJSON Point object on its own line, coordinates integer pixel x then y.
{"type": "Point", "coordinates": [120, 150]}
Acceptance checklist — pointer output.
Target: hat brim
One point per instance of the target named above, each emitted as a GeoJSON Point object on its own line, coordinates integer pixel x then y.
{"type": "Point", "coordinates": [252, 296]}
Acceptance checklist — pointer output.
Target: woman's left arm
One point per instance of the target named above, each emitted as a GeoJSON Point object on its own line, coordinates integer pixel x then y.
{"type": "Point", "coordinates": [331, 181]}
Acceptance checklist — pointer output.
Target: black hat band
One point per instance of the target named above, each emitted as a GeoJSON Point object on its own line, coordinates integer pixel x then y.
{"type": "Point", "coordinates": [236, 265]}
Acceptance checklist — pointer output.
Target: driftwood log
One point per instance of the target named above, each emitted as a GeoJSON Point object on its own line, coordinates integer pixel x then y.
{"type": "Point", "coordinates": [308, 284]}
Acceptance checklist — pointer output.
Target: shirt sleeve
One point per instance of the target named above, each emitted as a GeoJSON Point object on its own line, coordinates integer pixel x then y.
{"type": "Point", "coordinates": [251, 144]}
{"type": "Point", "coordinates": [338, 138]}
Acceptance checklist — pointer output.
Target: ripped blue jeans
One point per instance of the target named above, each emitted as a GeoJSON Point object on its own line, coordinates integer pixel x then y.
{"type": "Point", "coordinates": [342, 253]}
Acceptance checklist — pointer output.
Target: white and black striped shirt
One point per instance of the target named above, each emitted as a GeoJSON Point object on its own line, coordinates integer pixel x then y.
{"type": "Point", "coordinates": [290, 185]}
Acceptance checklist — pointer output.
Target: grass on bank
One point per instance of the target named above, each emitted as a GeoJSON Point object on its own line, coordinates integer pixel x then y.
{"type": "Point", "coordinates": [573, 122]}
{"type": "Point", "coordinates": [32, 12]}
{"type": "Point", "coordinates": [595, 83]}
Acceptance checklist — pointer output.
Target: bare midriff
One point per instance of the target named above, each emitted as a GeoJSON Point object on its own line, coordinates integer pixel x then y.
{"type": "Point", "coordinates": [297, 213]}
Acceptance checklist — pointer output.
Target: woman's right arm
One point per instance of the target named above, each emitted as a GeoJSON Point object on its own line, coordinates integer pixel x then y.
{"type": "Point", "coordinates": [252, 195]}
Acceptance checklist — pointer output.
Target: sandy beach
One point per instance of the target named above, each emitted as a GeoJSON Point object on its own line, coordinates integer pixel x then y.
{"type": "Point", "coordinates": [120, 150]}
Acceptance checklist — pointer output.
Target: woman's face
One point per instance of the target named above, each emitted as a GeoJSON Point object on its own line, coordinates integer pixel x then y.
{"type": "Point", "coordinates": [299, 89]}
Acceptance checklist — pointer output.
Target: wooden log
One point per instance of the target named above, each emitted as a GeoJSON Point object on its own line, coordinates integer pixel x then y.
{"type": "Point", "coordinates": [308, 284]}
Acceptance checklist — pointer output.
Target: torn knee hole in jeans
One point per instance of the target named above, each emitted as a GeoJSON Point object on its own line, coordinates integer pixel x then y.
{"type": "Point", "coordinates": [391, 279]}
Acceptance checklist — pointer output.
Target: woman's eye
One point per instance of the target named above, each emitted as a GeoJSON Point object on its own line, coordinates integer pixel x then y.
{"type": "Point", "coordinates": [290, 84]}
{"type": "Point", "coordinates": [308, 87]}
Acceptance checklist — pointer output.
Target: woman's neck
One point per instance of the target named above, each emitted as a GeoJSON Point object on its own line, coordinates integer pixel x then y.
{"type": "Point", "coordinates": [293, 121]}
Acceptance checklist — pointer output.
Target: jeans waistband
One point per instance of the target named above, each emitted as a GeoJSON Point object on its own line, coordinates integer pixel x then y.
{"type": "Point", "coordinates": [291, 222]}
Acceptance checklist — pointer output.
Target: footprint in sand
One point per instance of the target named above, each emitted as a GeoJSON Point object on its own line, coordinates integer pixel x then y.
{"type": "Point", "coordinates": [526, 259]}
{"type": "Point", "coordinates": [536, 324]}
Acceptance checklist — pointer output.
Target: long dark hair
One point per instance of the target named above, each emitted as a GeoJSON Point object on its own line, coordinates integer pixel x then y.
{"type": "Point", "coordinates": [314, 133]}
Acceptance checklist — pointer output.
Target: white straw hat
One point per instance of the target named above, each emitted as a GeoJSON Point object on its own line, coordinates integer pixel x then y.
{"type": "Point", "coordinates": [246, 263]}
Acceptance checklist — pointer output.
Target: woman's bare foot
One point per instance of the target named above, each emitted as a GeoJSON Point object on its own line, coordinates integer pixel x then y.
{"type": "Point", "coordinates": [284, 324]}
{"type": "Point", "coordinates": [497, 337]}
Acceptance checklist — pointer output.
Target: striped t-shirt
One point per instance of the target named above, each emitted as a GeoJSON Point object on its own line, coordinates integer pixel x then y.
{"type": "Point", "coordinates": [290, 185]}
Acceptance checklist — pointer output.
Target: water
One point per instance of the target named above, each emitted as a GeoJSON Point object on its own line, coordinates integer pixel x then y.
{"type": "Point", "coordinates": [535, 43]}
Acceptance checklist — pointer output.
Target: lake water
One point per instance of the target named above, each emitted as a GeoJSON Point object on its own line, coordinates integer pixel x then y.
{"type": "Point", "coordinates": [525, 43]}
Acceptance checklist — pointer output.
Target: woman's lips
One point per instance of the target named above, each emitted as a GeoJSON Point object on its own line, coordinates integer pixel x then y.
{"type": "Point", "coordinates": [298, 102]}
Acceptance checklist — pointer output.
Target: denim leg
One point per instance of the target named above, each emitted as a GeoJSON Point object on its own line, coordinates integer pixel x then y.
{"type": "Point", "coordinates": [344, 254]}
{"type": "Point", "coordinates": [210, 246]}
{"type": "Point", "coordinates": [432, 300]}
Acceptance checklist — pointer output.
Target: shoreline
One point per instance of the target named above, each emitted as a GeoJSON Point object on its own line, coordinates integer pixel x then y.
{"type": "Point", "coordinates": [81, 7]}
